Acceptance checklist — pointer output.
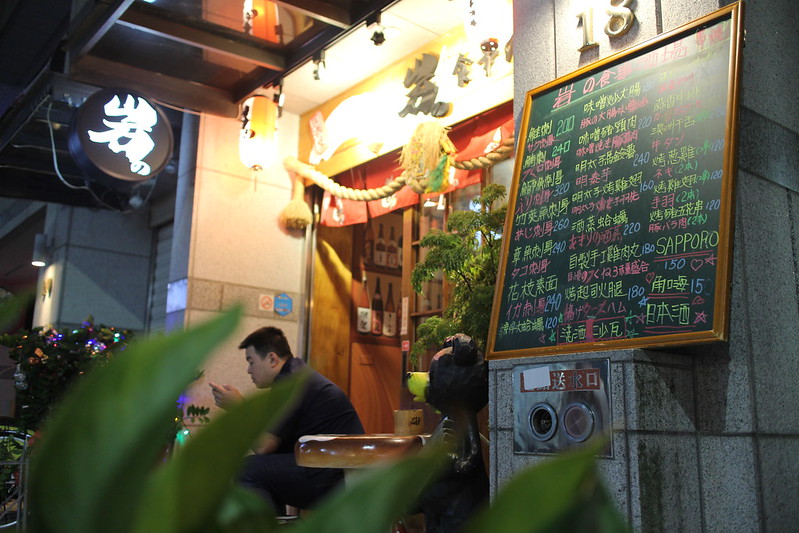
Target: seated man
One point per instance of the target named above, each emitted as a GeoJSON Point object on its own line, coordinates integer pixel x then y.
{"type": "Point", "coordinates": [324, 408]}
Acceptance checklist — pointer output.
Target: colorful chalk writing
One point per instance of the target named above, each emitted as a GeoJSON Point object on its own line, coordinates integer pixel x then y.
{"type": "Point", "coordinates": [616, 226]}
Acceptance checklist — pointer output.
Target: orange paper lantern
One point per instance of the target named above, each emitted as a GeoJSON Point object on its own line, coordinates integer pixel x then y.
{"type": "Point", "coordinates": [258, 132]}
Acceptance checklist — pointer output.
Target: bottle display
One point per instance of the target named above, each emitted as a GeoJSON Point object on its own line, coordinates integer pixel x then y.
{"type": "Point", "coordinates": [399, 252]}
{"type": "Point", "coordinates": [368, 245]}
{"type": "Point", "coordinates": [377, 302]}
{"type": "Point", "coordinates": [364, 316]}
{"type": "Point", "coordinates": [377, 311]}
{"type": "Point", "coordinates": [392, 257]}
{"type": "Point", "coordinates": [390, 314]}
{"type": "Point", "coordinates": [380, 248]}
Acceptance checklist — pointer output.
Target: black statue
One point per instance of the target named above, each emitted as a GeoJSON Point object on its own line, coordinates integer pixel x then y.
{"type": "Point", "coordinates": [458, 388]}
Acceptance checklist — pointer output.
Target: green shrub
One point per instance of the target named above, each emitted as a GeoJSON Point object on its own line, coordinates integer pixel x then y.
{"type": "Point", "coordinates": [49, 360]}
{"type": "Point", "coordinates": [468, 256]}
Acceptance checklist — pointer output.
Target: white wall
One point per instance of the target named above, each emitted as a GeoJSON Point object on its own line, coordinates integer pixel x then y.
{"type": "Point", "coordinates": [238, 250]}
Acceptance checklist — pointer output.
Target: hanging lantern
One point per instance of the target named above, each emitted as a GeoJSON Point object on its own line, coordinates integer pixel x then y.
{"type": "Point", "coordinates": [257, 140]}
{"type": "Point", "coordinates": [261, 20]}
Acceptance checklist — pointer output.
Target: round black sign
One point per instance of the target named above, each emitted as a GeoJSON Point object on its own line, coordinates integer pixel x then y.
{"type": "Point", "coordinates": [119, 138]}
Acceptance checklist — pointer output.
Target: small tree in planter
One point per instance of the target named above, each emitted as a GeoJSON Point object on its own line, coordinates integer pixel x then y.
{"type": "Point", "coordinates": [468, 255]}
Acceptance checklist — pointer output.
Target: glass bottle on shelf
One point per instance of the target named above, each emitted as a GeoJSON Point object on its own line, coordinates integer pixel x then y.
{"type": "Point", "coordinates": [392, 259]}
{"type": "Point", "coordinates": [364, 323]}
{"type": "Point", "coordinates": [390, 314]}
{"type": "Point", "coordinates": [399, 251]}
{"type": "Point", "coordinates": [377, 311]}
{"type": "Point", "coordinates": [380, 248]}
{"type": "Point", "coordinates": [368, 245]}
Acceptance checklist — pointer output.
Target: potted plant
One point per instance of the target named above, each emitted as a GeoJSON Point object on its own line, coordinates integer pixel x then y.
{"type": "Point", "coordinates": [468, 255]}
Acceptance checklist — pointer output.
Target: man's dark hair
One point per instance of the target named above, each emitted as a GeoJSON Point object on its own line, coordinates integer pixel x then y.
{"type": "Point", "coordinates": [268, 339]}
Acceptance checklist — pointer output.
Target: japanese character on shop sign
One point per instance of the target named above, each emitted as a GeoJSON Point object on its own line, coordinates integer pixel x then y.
{"type": "Point", "coordinates": [463, 67]}
{"type": "Point", "coordinates": [422, 97]}
{"type": "Point", "coordinates": [131, 134]}
{"type": "Point", "coordinates": [490, 52]}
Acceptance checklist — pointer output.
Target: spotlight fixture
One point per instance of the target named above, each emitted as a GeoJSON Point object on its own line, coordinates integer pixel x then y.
{"type": "Point", "coordinates": [440, 205]}
{"type": "Point", "coordinates": [319, 65]}
{"type": "Point", "coordinates": [41, 250]}
{"type": "Point", "coordinates": [373, 22]}
{"type": "Point", "coordinates": [378, 38]}
{"type": "Point", "coordinates": [279, 98]}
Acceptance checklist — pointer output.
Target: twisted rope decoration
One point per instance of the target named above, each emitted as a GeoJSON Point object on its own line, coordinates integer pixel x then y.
{"type": "Point", "coordinates": [502, 152]}
{"type": "Point", "coordinates": [305, 170]}
{"type": "Point", "coordinates": [292, 164]}
{"type": "Point", "coordinates": [297, 214]}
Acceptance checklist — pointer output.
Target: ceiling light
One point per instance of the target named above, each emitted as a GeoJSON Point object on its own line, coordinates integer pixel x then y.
{"type": "Point", "coordinates": [440, 205]}
{"type": "Point", "coordinates": [487, 21]}
{"type": "Point", "coordinates": [41, 250]}
{"type": "Point", "coordinates": [378, 37]}
{"type": "Point", "coordinates": [373, 22]}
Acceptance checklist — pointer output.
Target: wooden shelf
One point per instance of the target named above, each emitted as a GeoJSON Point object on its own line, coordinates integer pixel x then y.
{"type": "Point", "coordinates": [376, 339]}
{"type": "Point", "coordinates": [394, 272]}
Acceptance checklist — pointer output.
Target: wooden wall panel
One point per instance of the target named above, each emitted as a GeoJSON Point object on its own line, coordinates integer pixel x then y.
{"type": "Point", "coordinates": [330, 306]}
{"type": "Point", "coordinates": [376, 378]}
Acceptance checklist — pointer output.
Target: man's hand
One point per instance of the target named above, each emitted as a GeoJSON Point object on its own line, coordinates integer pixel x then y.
{"type": "Point", "coordinates": [225, 395]}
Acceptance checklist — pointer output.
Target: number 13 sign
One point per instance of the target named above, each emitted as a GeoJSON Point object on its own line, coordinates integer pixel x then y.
{"type": "Point", "coordinates": [620, 20]}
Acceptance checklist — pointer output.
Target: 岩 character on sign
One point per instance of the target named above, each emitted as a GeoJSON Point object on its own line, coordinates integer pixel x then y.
{"type": "Point", "coordinates": [130, 134]}
{"type": "Point", "coordinates": [422, 97]}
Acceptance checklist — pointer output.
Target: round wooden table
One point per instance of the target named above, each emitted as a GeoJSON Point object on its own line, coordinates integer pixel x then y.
{"type": "Point", "coordinates": [354, 451]}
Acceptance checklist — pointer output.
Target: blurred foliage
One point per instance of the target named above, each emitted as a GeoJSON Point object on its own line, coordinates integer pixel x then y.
{"type": "Point", "coordinates": [98, 466]}
{"type": "Point", "coordinates": [48, 361]}
{"type": "Point", "coordinates": [563, 494]}
{"type": "Point", "coordinates": [12, 448]}
{"type": "Point", "coordinates": [468, 256]}
{"type": "Point", "coordinates": [12, 308]}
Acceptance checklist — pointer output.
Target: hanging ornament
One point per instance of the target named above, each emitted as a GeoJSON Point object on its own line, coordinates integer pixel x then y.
{"type": "Point", "coordinates": [489, 26]}
{"type": "Point", "coordinates": [426, 158]}
{"type": "Point", "coordinates": [20, 379]}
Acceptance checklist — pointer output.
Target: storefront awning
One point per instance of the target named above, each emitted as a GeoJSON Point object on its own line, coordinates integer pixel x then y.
{"type": "Point", "coordinates": [472, 138]}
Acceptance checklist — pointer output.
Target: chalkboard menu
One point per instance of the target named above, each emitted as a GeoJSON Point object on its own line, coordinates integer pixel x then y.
{"type": "Point", "coordinates": [620, 216]}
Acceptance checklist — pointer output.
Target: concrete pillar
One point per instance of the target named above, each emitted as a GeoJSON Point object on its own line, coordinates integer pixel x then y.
{"type": "Point", "coordinates": [99, 266]}
{"type": "Point", "coordinates": [238, 252]}
{"type": "Point", "coordinates": [181, 225]}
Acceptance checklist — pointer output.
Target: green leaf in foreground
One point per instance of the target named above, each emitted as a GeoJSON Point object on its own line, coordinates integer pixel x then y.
{"type": "Point", "coordinates": [90, 468]}
{"type": "Point", "coordinates": [198, 476]}
{"type": "Point", "coordinates": [12, 308]}
{"type": "Point", "coordinates": [562, 494]}
{"type": "Point", "coordinates": [376, 497]}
